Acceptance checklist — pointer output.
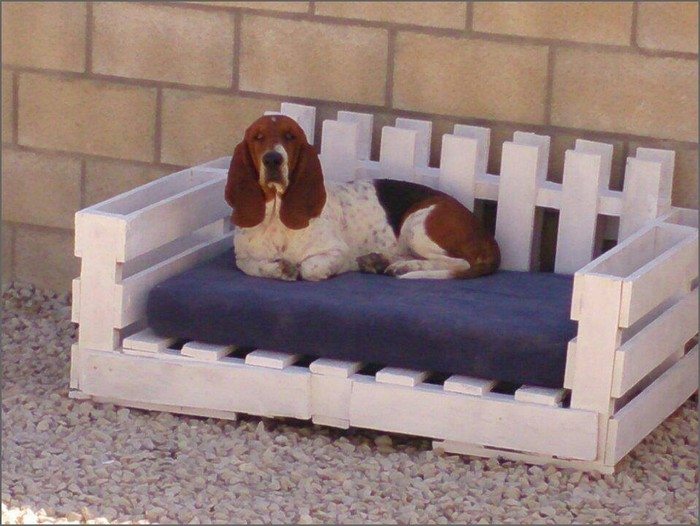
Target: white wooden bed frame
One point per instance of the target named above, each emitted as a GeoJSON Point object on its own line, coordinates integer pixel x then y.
{"type": "Point", "coordinates": [630, 366]}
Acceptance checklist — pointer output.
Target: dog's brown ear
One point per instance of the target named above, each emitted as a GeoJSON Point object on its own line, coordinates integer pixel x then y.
{"type": "Point", "coordinates": [306, 194]}
{"type": "Point", "coordinates": [243, 192]}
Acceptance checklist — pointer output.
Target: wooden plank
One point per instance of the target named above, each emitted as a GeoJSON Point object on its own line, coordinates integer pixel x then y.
{"type": "Point", "coordinates": [148, 341]}
{"type": "Point", "coordinates": [424, 130]}
{"type": "Point", "coordinates": [398, 153]}
{"type": "Point", "coordinates": [458, 168]}
{"type": "Point", "coordinates": [75, 365]}
{"type": "Point", "coordinates": [578, 216]}
{"type": "Point", "coordinates": [225, 385]}
{"type": "Point", "coordinates": [642, 192]}
{"type": "Point", "coordinates": [365, 122]}
{"type": "Point", "coordinates": [329, 421]}
{"type": "Point", "coordinates": [667, 158]}
{"type": "Point", "coordinates": [75, 300]}
{"type": "Point", "coordinates": [427, 410]}
{"type": "Point", "coordinates": [176, 216]}
{"type": "Point", "coordinates": [304, 115]}
{"type": "Point", "coordinates": [178, 409]}
{"type": "Point", "coordinates": [652, 406]}
{"type": "Point", "coordinates": [132, 293]}
{"type": "Point", "coordinates": [515, 215]}
{"type": "Point", "coordinates": [482, 136]}
{"type": "Point", "coordinates": [605, 151]}
{"type": "Point", "coordinates": [270, 359]}
{"type": "Point", "coordinates": [468, 385]}
{"type": "Point", "coordinates": [330, 400]}
{"type": "Point", "coordinates": [340, 145]}
{"type": "Point", "coordinates": [460, 448]}
{"type": "Point", "coordinates": [597, 339]}
{"type": "Point", "coordinates": [570, 370]}
{"type": "Point", "coordinates": [339, 368]}
{"type": "Point", "coordinates": [658, 280]}
{"type": "Point", "coordinates": [206, 351]}
{"type": "Point", "coordinates": [652, 345]}
{"type": "Point", "coordinates": [540, 395]}
{"type": "Point", "coordinates": [397, 376]}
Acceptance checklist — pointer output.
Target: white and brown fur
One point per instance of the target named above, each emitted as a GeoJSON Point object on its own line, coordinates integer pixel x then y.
{"type": "Point", "coordinates": [289, 225]}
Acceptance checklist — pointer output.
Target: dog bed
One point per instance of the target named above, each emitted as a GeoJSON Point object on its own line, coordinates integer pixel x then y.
{"type": "Point", "coordinates": [511, 325]}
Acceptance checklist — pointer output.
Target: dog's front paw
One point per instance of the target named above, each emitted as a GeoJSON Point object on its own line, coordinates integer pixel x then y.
{"type": "Point", "coordinates": [288, 270]}
{"type": "Point", "coordinates": [372, 263]}
{"type": "Point", "coordinates": [398, 268]}
{"type": "Point", "coordinates": [312, 270]}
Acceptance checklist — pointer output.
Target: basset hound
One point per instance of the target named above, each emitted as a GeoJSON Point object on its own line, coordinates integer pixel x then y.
{"type": "Point", "coordinates": [289, 225]}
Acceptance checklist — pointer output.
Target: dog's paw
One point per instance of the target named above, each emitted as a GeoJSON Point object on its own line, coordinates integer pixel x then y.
{"type": "Point", "coordinates": [288, 270]}
{"type": "Point", "coordinates": [398, 269]}
{"type": "Point", "coordinates": [372, 263]}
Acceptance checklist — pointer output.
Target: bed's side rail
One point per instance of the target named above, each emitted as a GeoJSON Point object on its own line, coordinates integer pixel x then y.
{"type": "Point", "coordinates": [637, 308]}
{"type": "Point", "coordinates": [129, 243]}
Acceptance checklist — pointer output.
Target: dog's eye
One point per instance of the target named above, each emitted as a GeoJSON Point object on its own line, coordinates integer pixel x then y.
{"type": "Point", "coordinates": [259, 137]}
{"type": "Point", "coordinates": [289, 136]}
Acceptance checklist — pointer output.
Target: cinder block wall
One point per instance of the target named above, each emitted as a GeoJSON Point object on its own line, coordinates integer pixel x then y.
{"type": "Point", "coordinates": [98, 98]}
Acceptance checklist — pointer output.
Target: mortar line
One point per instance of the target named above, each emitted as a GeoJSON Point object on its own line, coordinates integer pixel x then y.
{"type": "Point", "coordinates": [83, 183]}
{"type": "Point", "coordinates": [236, 69]}
{"type": "Point", "coordinates": [390, 54]}
{"type": "Point", "coordinates": [312, 8]}
{"type": "Point", "coordinates": [635, 25]}
{"type": "Point", "coordinates": [89, 29]}
{"type": "Point", "coordinates": [15, 107]}
{"type": "Point", "coordinates": [469, 22]}
{"type": "Point", "coordinates": [158, 131]}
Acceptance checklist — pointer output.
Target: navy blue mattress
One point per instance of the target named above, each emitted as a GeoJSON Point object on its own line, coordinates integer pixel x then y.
{"type": "Point", "coordinates": [510, 326]}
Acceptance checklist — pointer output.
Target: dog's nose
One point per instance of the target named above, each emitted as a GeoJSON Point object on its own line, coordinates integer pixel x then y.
{"type": "Point", "coordinates": [272, 159]}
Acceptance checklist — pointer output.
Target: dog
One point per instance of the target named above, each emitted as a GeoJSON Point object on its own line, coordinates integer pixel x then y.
{"type": "Point", "coordinates": [289, 225]}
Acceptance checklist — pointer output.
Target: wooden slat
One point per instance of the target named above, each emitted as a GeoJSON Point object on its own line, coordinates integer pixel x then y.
{"type": "Point", "coordinates": [225, 385]}
{"type": "Point", "coordinates": [424, 130]}
{"type": "Point", "coordinates": [605, 151]}
{"type": "Point", "coordinates": [147, 341]}
{"type": "Point", "coordinates": [304, 115]}
{"type": "Point", "coordinates": [365, 122]}
{"type": "Point", "coordinates": [660, 339]}
{"type": "Point", "coordinates": [483, 140]}
{"type": "Point", "coordinates": [660, 279]}
{"type": "Point", "coordinates": [75, 300]}
{"type": "Point", "coordinates": [468, 385]}
{"type": "Point", "coordinates": [339, 368]}
{"type": "Point", "coordinates": [667, 158]}
{"type": "Point", "coordinates": [206, 351]}
{"type": "Point", "coordinates": [579, 211]}
{"type": "Point", "coordinates": [176, 216]}
{"type": "Point", "coordinates": [652, 406]}
{"type": "Point", "coordinates": [497, 420]}
{"type": "Point", "coordinates": [132, 293]}
{"type": "Point", "coordinates": [270, 359]}
{"type": "Point", "coordinates": [396, 376]}
{"type": "Point", "coordinates": [540, 395]}
{"type": "Point", "coordinates": [515, 215]}
{"type": "Point", "coordinates": [398, 153]}
{"type": "Point", "coordinates": [458, 168]}
{"type": "Point", "coordinates": [178, 409]}
{"type": "Point", "coordinates": [340, 145]}
{"type": "Point", "coordinates": [570, 370]}
{"type": "Point", "coordinates": [641, 195]}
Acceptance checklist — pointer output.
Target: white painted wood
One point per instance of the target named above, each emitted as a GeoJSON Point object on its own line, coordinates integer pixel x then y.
{"type": "Point", "coordinates": [483, 140]}
{"type": "Point", "coordinates": [540, 141]}
{"type": "Point", "coordinates": [329, 421]}
{"type": "Point", "coordinates": [424, 130]}
{"type": "Point", "coordinates": [579, 211]}
{"type": "Point", "coordinates": [160, 355]}
{"type": "Point", "coordinates": [270, 359]}
{"type": "Point", "coordinates": [460, 448]}
{"type": "Point", "coordinates": [652, 406]}
{"type": "Point", "coordinates": [398, 153]}
{"type": "Point", "coordinates": [339, 368]}
{"type": "Point", "coordinates": [178, 409]}
{"type": "Point", "coordinates": [468, 385]}
{"type": "Point", "coordinates": [667, 158]}
{"type": "Point", "coordinates": [225, 385]}
{"type": "Point", "coordinates": [598, 338]}
{"type": "Point", "coordinates": [605, 151]}
{"type": "Point", "coordinates": [652, 345]}
{"type": "Point", "coordinates": [540, 395]}
{"type": "Point", "coordinates": [397, 376]}
{"type": "Point", "coordinates": [427, 410]}
{"type": "Point", "coordinates": [642, 193]}
{"type": "Point", "coordinates": [365, 123]}
{"type": "Point", "coordinates": [570, 370]}
{"type": "Point", "coordinates": [660, 279]}
{"type": "Point", "coordinates": [132, 293]}
{"type": "Point", "coordinates": [517, 193]}
{"type": "Point", "coordinates": [330, 399]}
{"type": "Point", "coordinates": [304, 115]}
{"type": "Point", "coordinates": [75, 300]}
{"type": "Point", "coordinates": [340, 150]}
{"type": "Point", "coordinates": [147, 341]}
{"type": "Point", "coordinates": [206, 351]}
{"type": "Point", "coordinates": [458, 168]}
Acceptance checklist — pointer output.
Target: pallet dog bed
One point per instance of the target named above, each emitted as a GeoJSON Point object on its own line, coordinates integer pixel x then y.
{"type": "Point", "coordinates": [614, 356]}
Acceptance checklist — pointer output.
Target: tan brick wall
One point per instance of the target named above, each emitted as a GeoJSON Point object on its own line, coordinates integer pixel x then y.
{"type": "Point", "coordinates": [98, 98]}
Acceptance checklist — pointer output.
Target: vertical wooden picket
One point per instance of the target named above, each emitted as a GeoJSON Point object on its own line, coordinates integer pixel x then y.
{"type": "Point", "coordinates": [424, 130]}
{"type": "Point", "coordinates": [398, 152]}
{"type": "Point", "coordinates": [340, 150]}
{"type": "Point", "coordinates": [463, 159]}
{"type": "Point", "coordinates": [523, 171]}
{"type": "Point", "coordinates": [642, 195]}
{"type": "Point", "coordinates": [579, 211]}
{"type": "Point", "coordinates": [365, 122]}
{"type": "Point", "coordinates": [304, 115]}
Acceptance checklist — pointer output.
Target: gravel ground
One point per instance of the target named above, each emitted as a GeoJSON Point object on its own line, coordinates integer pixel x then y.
{"type": "Point", "coordinates": [76, 461]}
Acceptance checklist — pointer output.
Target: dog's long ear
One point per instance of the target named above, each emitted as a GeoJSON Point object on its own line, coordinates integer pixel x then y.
{"type": "Point", "coordinates": [306, 194]}
{"type": "Point", "coordinates": [243, 192]}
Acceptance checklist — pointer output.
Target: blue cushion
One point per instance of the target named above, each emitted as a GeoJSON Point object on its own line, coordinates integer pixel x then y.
{"type": "Point", "coordinates": [510, 326]}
